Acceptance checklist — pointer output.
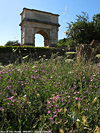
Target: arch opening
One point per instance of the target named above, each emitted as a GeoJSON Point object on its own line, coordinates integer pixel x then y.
{"type": "Point", "coordinates": [41, 39]}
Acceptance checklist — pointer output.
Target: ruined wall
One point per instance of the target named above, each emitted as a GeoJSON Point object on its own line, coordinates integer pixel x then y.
{"type": "Point", "coordinates": [88, 51]}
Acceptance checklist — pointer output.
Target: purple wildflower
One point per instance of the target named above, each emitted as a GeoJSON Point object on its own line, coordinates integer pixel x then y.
{"type": "Point", "coordinates": [57, 97]}
{"type": "Point", "coordinates": [54, 112]}
{"type": "Point", "coordinates": [55, 116]}
{"type": "Point", "coordinates": [11, 97]}
{"type": "Point", "coordinates": [76, 98]}
{"type": "Point", "coordinates": [56, 105]}
{"type": "Point", "coordinates": [76, 131]}
{"type": "Point", "coordinates": [58, 110]}
{"type": "Point", "coordinates": [49, 102]}
{"type": "Point", "coordinates": [50, 118]}
{"type": "Point", "coordinates": [53, 101]}
{"type": "Point", "coordinates": [71, 131]}
{"type": "Point", "coordinates": [52, 121]}
{"type": "Point", "coordinates": [49, 111]}
{"type": "Point", "coordinates": [86, 109]}
{"type": "Point", "coordinates": [1, 108]}
{"type": "Point", "coordinates": [12, 100]}
{"type": "Point", "coordinates": [49, 131]}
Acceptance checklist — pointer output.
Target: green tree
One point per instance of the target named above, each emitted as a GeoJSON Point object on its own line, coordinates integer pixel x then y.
{"type": "Point", "coordinates": [96, 22]}
{"type": "Point", "coordinates": [82, 31]}
{"type": "Point", "coordinates": [61, 43]}
{"type": "Point", "coordinates": [12, 43]}
{"type": "Point", "coordinates": [66, 42]}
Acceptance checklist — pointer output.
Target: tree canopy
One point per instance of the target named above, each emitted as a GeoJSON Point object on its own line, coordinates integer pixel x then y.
{"type": "Point", "coordinates": [84, 31]}
{"type": "Point", "coordinates": [12, 43]}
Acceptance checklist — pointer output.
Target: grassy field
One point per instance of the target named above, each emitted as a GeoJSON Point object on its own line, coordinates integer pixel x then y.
{"type": "Point", "coordinates": [55, 95]}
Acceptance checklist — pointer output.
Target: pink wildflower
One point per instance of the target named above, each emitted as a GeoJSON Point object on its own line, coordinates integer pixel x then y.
{"type": "Point", "coordinates": [49, 111]}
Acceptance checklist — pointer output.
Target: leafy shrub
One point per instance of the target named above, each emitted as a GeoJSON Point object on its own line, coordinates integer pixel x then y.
{"type": "Point", "coordinates": [10, 54]}
{"type": "Point", "coordinates": [71, 55]}
{"type": "Point", "coordinates": [68, 43]}
{"type": "Point", "coordinates": [12, 43]}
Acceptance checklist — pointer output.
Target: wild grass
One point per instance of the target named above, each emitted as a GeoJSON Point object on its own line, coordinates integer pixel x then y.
{"type": "Point", "coordinates": [52, 95]}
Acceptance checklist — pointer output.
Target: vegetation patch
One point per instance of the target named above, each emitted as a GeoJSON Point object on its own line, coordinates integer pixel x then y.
{"type": "Point", "coordinates": [11, 54]}
{"type": "Point", "coordinates": [71, 55]}
{"type": "Point", "coordinates": [50, 95]}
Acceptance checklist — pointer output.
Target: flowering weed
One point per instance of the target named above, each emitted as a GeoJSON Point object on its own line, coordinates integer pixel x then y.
{"type": "Point", "coordinates": [50, 95]}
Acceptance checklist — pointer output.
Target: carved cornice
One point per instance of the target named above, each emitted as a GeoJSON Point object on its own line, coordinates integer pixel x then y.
{"type": "Point", "coordinates": [39, 11]}
{"type": "Point", "coordinates": [39, 21]}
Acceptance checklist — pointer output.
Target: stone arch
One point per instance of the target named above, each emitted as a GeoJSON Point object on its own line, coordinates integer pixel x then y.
{"type": "Point", "coordinates": [39, 22]}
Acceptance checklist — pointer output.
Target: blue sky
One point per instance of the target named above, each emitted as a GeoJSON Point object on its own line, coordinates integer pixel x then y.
{"type": "Point", "coordinates": [67, 9]}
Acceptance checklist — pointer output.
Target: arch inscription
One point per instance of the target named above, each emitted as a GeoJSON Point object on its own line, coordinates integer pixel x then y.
{"type": "Point", "coordinates": [39, 22]}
